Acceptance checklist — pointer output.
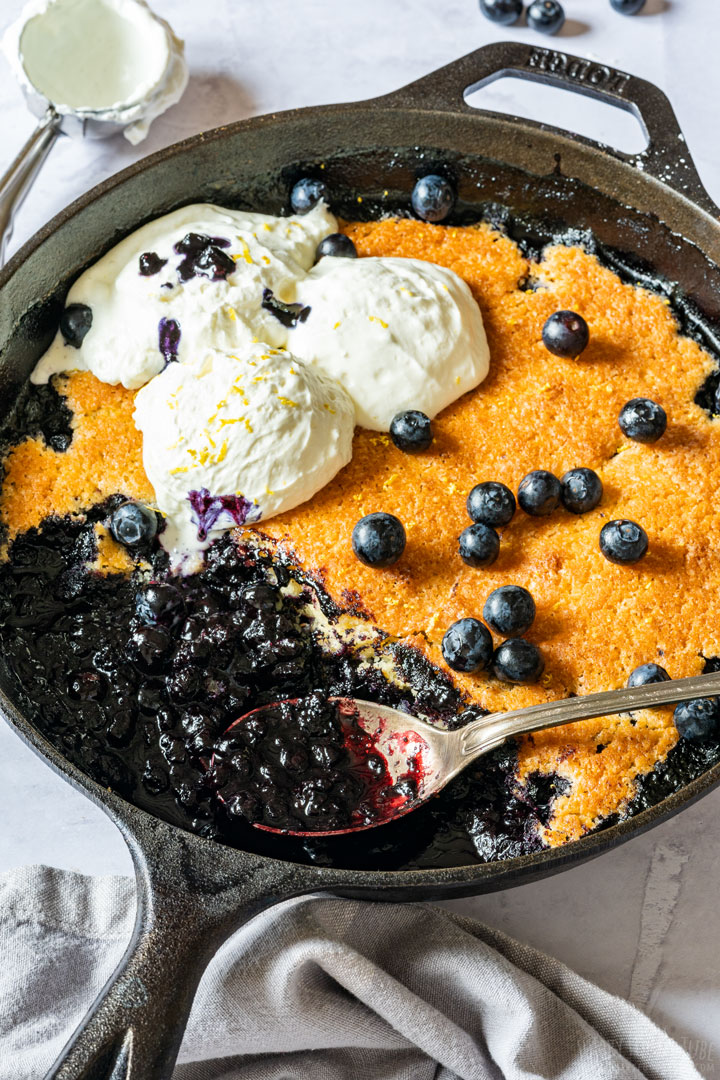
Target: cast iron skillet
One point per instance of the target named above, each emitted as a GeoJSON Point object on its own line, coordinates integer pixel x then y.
{"type": "Point", "coordinates": [194, 892]}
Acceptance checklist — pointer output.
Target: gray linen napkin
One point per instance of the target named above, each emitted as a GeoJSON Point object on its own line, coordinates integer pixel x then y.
{"type": "Point", "coordinates": [325, 989]}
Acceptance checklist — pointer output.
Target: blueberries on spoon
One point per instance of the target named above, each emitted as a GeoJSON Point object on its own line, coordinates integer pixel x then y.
{"type": "Point", "coordinates": [623, 541]}
{"type": "Point", "coordinates": [338, 245]}
{"type": "Point", "coordinates": [627, 7]}
{"type": "Point", "coordinates": [509, 610]}
{"type": "Point", "coordinates": [378, 540]}
{"type": "Point", "coordinates": [479, 545]}
{"type": "Point", "coordinates": [648, 673]}
{"type": "Point", "coordinates": [491, 503]}
{"type": "Point", "coordinates": [467, 646]}
{"type": "Point", "coordinates": [643, 420]}
{"type": "Point", "coordinates": [698, 720]}
{"type": "Point", "coordinates": [133, 524]}
{"type": "Point", "coordinates": [539, 493]}
{"type": "Point", "coordinates": [546, 16]}
{"type": "Point", "coordinates": [518, 661]}
{"type": "Point", "coordinates": [75, 322]}
{"type": "Point", "coordinates": [307, 193]}
{"type": "Point", "coordinates": [505, 12]}
{"type": "Point", "coordinates": [411, 431]}
{"type": "Point", "coordinates": [433, 197]}
{"type": "Point", "coordinates": [580, 490]}
{"type": "Point", "coordinates": [566, 334]}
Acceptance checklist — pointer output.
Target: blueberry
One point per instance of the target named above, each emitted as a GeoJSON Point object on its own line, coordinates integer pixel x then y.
{"type": "Point", "coordinates": [433, 197]}
{"type": "Point", "coordinates": [288, 314]}
{"type": "Point", "coordinates": [150, 263]}
{"type": "Point", "coordinates": [479, 545]}
{"type": "Point", "coordinates": [623, 541]}
{"type": "Point", "coordinates": [307, 193]}
{"type": "Point", "coordinates": [411, 431]}
{"type": "Point", "coordinates": [169, 335]}
{"type": "Point", "coordinates": [648, 673]}
{"type": "Point", "coordinates": [643, 420]}
{"type": "Point", "coordinates": [509, 610]}
{"type": "Point", "coordinates": [518, 661]}
{"type": "Point", "coordinates": [378, 539]}
{"type": "Point", "coordinates": [698, 720]}
{"type": "Point", "coordinates": [467, 645]}
{"type": "Point", "coordinates": [75, 322]}
{"type": "Point", "coordinates": [539, 493]}
{"type": "Point", "coordinates": [545, 16]}
{"type": "Point", "coordinates": [627, 7]}
{"type": "Point", "coordinates": [565, 334]}
{"type": "Point", "coordinates": [580, 490]}
{"type": "Point", "coordinates": [133, 524]}
{"type": "Point", "coordinates": [338, 245]}
{"type": "Point", "coordinates": [505, 12]}
{"type": "Point", "coordinates": [149, 645]}
{"type": "Point", "coordinates": [491, 503]}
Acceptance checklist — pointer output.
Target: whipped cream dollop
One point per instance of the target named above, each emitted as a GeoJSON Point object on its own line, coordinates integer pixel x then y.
{"type": "Point", "coordinates": [110, 60]}
{"type": "Point", "coordinates": [185, 282]}
{"type": "Point", "coordinates": [396, 333]}
{"type": "Point", "coordinates": [234, 438]}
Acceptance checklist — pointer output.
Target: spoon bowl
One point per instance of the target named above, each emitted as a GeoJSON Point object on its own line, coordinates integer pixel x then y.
{"type": "Point", "coordinates": [395, 762]}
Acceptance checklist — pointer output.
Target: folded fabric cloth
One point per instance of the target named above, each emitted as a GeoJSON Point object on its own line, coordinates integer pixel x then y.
{"type": "Point", "coordinates": [324, 989]}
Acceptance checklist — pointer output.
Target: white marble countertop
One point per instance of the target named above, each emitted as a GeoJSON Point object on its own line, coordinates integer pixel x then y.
{"type": "Point", "coordinates": [644, 920]}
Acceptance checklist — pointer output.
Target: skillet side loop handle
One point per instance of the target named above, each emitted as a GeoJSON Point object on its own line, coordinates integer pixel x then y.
{"type": "Point", "coordinates": [666, 157]}
{"type": "Point", "coordinates": [135, 1027]}
{"type": "Point", "coordinates": [192, 895]}
{"type": "Point", "coordinates": [19, 176]}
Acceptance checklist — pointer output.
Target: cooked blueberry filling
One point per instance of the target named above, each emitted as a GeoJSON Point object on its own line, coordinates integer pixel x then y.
{"type": "Point", "coordinates": [203, 257]}
{"type": "Point", "coordinates": [304, 766]}
{"type": "Point", "coordinates": [288, 314]}
{"type": "Point", "coordinates": [207, 509]}
{"type": "Point", "coordinates": [150, 263]}
{"type": "Point", "coordinates": [169, 338]}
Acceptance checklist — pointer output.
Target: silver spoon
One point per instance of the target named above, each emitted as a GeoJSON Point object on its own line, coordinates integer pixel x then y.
{"type": "Point", "coordinates": [416, 750]}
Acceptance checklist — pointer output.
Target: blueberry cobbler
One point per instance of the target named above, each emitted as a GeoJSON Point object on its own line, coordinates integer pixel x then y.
{"type": "Point", "coordinates": [284, 459]}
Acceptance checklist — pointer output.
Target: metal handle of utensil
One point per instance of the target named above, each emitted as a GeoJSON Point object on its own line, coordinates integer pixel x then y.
{"type": "Point", "coordinates": [18, 178]}
{"type": "Point", "coordinates": [487, 733]}
{"type": "Point", "coordinates": [666, 157]}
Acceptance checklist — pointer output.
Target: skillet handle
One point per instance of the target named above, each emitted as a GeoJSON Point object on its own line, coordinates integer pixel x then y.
{"type": "Point", "coordinates": [192, 894]}
{"type": "Point", "coordinates": [666, 156]}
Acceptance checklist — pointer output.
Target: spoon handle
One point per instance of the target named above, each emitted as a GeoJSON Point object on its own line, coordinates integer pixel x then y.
{"type": "Point", "coordinates": [488, 732]}
{"type": "Point", "coordinates": [17, 179]}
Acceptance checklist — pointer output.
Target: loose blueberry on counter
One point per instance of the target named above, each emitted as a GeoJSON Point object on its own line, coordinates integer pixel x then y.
{"type": "Point", "coordinates": [627, 7]}
{"type": "Point", "coordinates": [491, 503]}
{"type": "Point", "coordinates": [411, 431]}
{"type": "Point", "coordinates": [505, 12]}
{"type": "Point", "coordinates": [133, 524]}
{"type": "Point", "coordinates": [338, 245]}
{"type": "Point", "coordinates": [307, 193]}
{"type": "Point", "coordinates": [546, 16]}
{"type": "Point", "coordinates": [479, 545]}
{"type": "Point", "coordinates": [433, 197]}
{"type": "Point", "coordinates": [509, 610]}
{"type": "Point", "coordinates": [580, 490]}
{"type": "Point", "coordinates": [698, 720]}
{"type": "Point", "coordinates": [75, 322]}
{"type": "Point", "coordinates": [566, 334]}
{"type": "Point", "coordinates": [539, 493]}
{"type": "Point", "coordinates": [467, 645]}
{"type": "Point", "coordinates": [623, 541]}
{"type": "Point", "coordinates": [150, 263]}
{"type": "Point", "coordinates": [648, 673]}
{"type": "Point", "coordinates": [643, 420]}
{"type": "Point", "coordinates": [378, 540]}
{"type": "Point", "coordinates": [518, 661]}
